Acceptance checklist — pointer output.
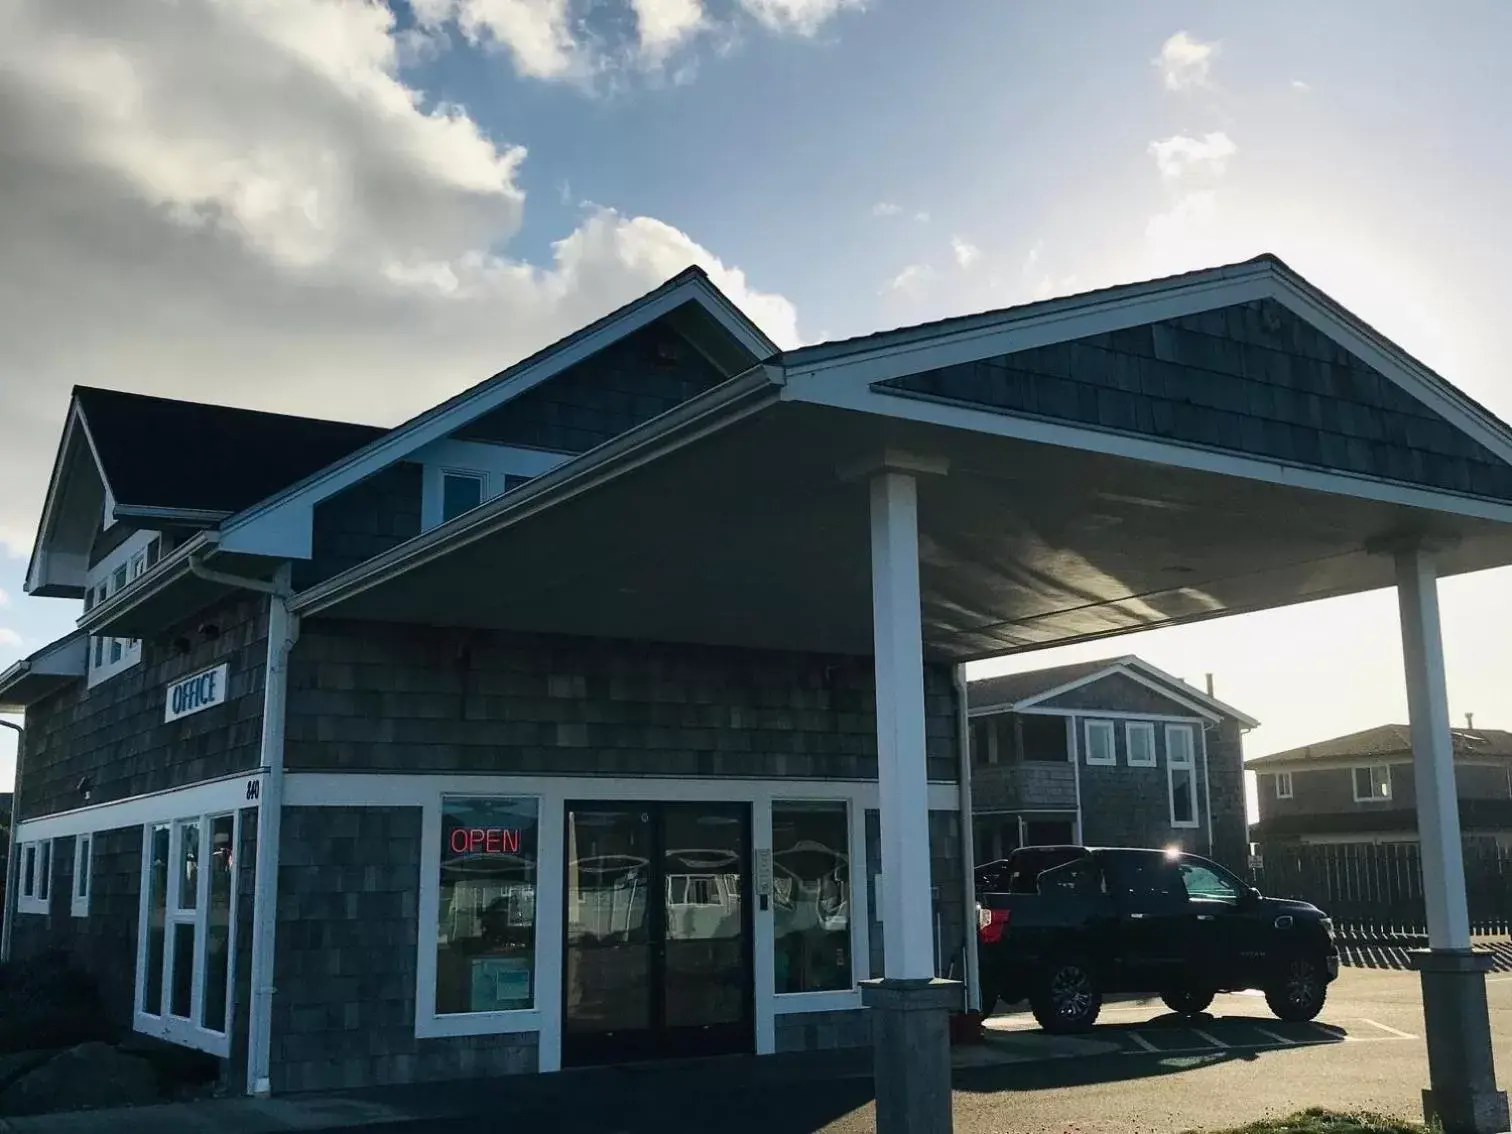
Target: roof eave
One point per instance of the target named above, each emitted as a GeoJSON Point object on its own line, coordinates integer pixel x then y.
{"type": "Point", "coordinates": [52, 667]}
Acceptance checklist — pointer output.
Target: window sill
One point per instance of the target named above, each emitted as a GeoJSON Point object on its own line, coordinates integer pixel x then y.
{"type": "Point", "coordinates": [32, 906]}
{"type": "Point", "coordinates": [1143, 764]}
{"type": "Point", "coordinates": [183, 1033]}
{"type": "Point", "coordinates": [1194, 825]}
{"type": "Point", "coordinates": [478, 1024]}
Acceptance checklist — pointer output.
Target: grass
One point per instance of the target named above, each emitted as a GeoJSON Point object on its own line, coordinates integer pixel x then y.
{"type": "Point", "coordinates": [1320, 1121]}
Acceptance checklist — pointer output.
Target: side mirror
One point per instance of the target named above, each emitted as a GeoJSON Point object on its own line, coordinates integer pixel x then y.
{"type": "Point", "coordinates": [1252, 895]}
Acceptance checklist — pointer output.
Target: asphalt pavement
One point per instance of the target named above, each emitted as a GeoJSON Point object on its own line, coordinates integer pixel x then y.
{"type": "Point", "coordinates": [1140, 1071]}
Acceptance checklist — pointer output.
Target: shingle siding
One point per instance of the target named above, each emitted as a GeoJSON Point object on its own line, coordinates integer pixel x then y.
{"type": "Point", "coordinates": [348, 929]}
{"type": "Point", "coordinates": [363, 521]}
{"type": "Point", "coordinates": [1253, 378]}
{"type": "Point", "coordinates": [115, 734]}
{"type": "Point", "coordinates": [376, 697]}
{"type": "Point", "coordinates": [1023, 787]}
{"type": "Point", "coordinates": [624, 385]}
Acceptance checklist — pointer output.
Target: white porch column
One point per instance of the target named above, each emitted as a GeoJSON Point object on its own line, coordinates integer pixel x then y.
{"type": "Point", "coordinates": [1462, 1095]}
{"type": "Point", "coordinates": [907, 913]}
{"type": "Point", "coordinates": [1432, 751]}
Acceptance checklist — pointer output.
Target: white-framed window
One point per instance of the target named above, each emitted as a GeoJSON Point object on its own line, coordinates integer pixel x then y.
{"type": "Point", "coordinates": [1139, 739]}
{"type": "Point", "coordinates": [187, 931]}
{"type": "Point", "coordinates": [1181, 774]}
{"type": "Point", "coordinates": [1101, 747]}
{"type": "Point", "coordinates": [1372, 784]}
{"type": "Point", "coordinates": [35, 877]}
{"type": "Point", "coordinates": [461, 491]}
{"type": "Point", "coordinates": [1283, 785]}
{"type": "Point", "coordinates": [813, 935]}
{"type": "Point", "coordinates": [478, 958]}
{"type": "Point", "coordinates": [110, 655]}
{"type": "Point", "coordinates": [82, 866]}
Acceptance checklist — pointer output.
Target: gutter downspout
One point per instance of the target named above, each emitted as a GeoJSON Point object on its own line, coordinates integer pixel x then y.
{"type": "Point", "coordinates": [283, 632]}
{"type": "Point", "coordinates": [968, 846]}
{"type": "Point", "coordinates": [12, 864]}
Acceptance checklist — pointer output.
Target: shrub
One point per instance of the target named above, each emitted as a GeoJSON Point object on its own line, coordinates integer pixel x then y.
{"type": "Point", "coordinates": [47, 1001]}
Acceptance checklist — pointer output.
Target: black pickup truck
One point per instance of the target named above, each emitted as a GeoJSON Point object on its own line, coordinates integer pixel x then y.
{"type": "Point", "coordinates": [1061, 926]}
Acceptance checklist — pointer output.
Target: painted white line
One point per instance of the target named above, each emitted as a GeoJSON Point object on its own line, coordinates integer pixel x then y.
{"type": "Point", "coordinates": [1388, 1028]}
{"type": "Point", "coordinates": [1212, 1039]}
{"type": "Point", "coordinates": [1144, 1043]}
{"type": "Point", "coordinates": [1498, 979]}
{"type": "Point", "coordinates": [1273, 1035]}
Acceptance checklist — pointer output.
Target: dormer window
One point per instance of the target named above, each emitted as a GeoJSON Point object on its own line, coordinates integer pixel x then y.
{"type": "Point", "coordinates": [115, 572]}
{"type": "Point", "coordinates": [461, 492]}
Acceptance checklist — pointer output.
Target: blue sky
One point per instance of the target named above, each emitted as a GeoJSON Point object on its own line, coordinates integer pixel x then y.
{"type": "Point", "coordinates": [326, 207]}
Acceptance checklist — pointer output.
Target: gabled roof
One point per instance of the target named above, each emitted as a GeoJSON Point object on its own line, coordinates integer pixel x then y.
{"type": "Point", "coordinates": [692, 301]}
{"type": "Point", "coordinates": [1033, 687]}
{"type": "Point", "coordinates": [55, 665]}
{"type": "Point", "coordinates": [1390, 741]}
{"type": "Point", "coordinates": [160, 454]}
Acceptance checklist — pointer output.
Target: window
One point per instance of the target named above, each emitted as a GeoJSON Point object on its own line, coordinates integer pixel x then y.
{"type": "Point", "coordinates": [513, 481]}
{"type": "Point", "coordinates": [1181, 775]}
{"type": "Point", "coordinates": [1100, 749]}
{"type": "Point", "coordinates": [811, 897]}
{"type": "Point", "coordinates": [1139, 738]}
{"type": "Point", "coordinates": [1373, 784]}
{"type": "Point", "coordinates": [1283, 785]}
{"type": "Point", "coordinates": [485, 936]}
{"type": "Point", "coordinates": [187, 929]}
{"type": "Point", "coordinates": [1206, 884]}
{"type": "Point", "coordinates": [460, 492]}
{"type": "Point", "coordinates": [81, 870]}
{"type": "Point", "coordinates": [36, 877]}
{"type": "Point", "coordinates": [981, 741]}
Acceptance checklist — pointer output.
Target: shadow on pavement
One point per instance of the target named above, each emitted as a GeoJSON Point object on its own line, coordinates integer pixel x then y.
{"type": "Point", "coordinates": [1395, 953]}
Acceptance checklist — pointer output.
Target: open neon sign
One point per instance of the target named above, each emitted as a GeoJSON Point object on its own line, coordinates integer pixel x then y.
{"type": "Point", "coordinates": [485, 840]}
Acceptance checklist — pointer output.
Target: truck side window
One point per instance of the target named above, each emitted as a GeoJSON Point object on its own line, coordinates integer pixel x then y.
{"type": "Point", "coordinates": [1141, 875]}
{"type": "Point", "coordinates": [1079, 877]}
{"type": "Point", "coordinates": [1206, 885]}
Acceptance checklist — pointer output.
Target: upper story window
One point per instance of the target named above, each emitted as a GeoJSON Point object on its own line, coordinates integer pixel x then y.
{"type": "Point", "coordinates": [461, 492]}
{"type": "Point", "coordinates": [1283, 785]}
{"type": "Point", "coordinates": [1139, 738]}
{"type": "Point", "coordinates": [115, 572]}
{"type": "Point", "coordinates": [1181, 774]}
{"type": "Point", "coordinates": [1372, 784]}
{"type": "Point", "coordinates": [1100, 745]}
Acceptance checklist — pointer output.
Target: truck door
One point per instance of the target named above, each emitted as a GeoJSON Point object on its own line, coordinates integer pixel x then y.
{"type": "Point", "coordinates": [1218, 929]}
{"type": "Point", "coordinates": [1153, 919]}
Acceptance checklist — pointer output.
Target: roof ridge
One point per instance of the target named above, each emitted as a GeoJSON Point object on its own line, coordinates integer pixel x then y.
{"type": "Point", "coordinates": [134, 395]}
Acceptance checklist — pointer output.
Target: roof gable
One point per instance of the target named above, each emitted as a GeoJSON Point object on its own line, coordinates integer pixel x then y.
{"type": "Point", "coordinates": [701, 314]}
{"type": "Point", "coordinates": [1091, 686]}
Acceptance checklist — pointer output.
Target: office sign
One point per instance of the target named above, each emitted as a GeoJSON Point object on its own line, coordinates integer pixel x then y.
{"type": "Point", "coordinates": [199, 691]}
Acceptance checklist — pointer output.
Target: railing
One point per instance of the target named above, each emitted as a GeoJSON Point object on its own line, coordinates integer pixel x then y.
{"type": "Point", "coordinates": [1376, 891]}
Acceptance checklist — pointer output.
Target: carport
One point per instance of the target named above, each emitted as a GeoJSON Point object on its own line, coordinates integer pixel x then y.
{"type": "Point", "coordinates": [1150, 455]}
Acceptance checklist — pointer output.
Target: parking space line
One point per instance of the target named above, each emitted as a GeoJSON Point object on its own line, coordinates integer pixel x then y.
{"type": "Point", "coordinates": [1273, 1035]}
{"type": "Point", "coordinates": [1212, 1039]}
{"type": "Point", "coordinates": [1388, 1028]}
{"type": "Point", "coordinates": [1144, 1043]}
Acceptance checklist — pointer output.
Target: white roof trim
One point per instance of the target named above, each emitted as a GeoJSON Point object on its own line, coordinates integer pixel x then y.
{"type": "Point", "coordinates": [1151, 677]}
{"type": "Point", "coordinates": [73, 422]}
{"type": "Point", "coordinates": [440, 421]}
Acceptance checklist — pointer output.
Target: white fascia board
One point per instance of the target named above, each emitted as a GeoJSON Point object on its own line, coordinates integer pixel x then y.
{"type": "Point", "coordinates": [1166, 681]}
{"type": "Point", "coordinates": [438, 423]}
{"type": "Point", "coordinates": [1016, 330]}
{"type": "Point", "coordinates": [44, 561]}
{"type": "Point", "coordinates": [281, 533]}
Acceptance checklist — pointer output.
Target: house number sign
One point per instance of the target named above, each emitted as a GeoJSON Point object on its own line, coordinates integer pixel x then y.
{"type": "Point", "coordinates": [196, 692]}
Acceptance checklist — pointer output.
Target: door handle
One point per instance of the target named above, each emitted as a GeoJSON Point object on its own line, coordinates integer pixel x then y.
{"type": "Point", "coordinates": [1138, 916]}
{"type": "Point", "coordinates": [1204, 917]}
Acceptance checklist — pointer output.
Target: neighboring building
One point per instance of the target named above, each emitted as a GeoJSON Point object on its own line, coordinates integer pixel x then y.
{"type": "Point", "coordinates": [1360, 788]}
{"type": "Point", "coordinates": [1107, 753]}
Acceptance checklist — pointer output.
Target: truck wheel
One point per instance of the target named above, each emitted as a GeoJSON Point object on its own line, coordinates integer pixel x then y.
{"type": "Point", "coordinates": [1068, 999]}
{"type": "Point", "coordinates": [1187, 1002]}
{"type": "Point", "coordinates": [1298, 993]}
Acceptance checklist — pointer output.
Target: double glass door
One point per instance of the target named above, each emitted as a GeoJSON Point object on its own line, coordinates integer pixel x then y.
{"type": "Point", "coordinates": [657, 948]}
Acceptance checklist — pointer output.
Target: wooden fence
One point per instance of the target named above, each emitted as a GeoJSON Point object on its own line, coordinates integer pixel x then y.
{"type": "Point", "coordinates": [1377, 891]}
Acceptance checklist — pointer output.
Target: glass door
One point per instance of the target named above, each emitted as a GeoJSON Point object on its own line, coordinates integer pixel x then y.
{"type": "Point", "coordinates": [657, 957]}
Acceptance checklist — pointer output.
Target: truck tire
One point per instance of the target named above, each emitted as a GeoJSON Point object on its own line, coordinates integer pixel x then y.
{"type": "Point", "coordinates": [1068, 997]}
{"type": "Point", "coordinates": [1187, 1002]}
{"type": "Point", "coordinates": [1298, 991]}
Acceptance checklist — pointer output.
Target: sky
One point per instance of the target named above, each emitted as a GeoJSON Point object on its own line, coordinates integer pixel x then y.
{"type": "Point", "coordinates": [352, 209]}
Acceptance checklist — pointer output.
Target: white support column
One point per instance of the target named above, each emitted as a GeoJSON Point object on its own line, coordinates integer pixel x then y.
{"type": "Point", "coordinates": [1432, 751]}
{"type": "Point", "coordinates": [907, 909]}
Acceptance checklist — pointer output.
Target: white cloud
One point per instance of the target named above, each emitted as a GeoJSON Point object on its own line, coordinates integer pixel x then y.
{"type": "Point", "coordinates": [965, 252]}
{"type": "Point", "coordinates": [1182, 156]}
{"type": "Point", "coordinates": [1182, 237]}
{"type": "Point", "coordinates": [4, 599]}
{"type": "Point", "coordinates": [1301, 85]}
{"type": "Point", "coordinates": [1184, 62]}
{"type": "Point", "coordinates": [886, 209]}
{"type": "Point", "coordinates": [922, 217]}
{"type": "Point", "coordinates": [665, 25]}
{"type": "Point", "coordinates": [9, 637]}
{"type": "Point", "coordinates": [805, 17]}
{"type": "Point", "coordinates": [537, 34]}
{"type": "Point", "coordinates": [911, 278]}
{"type": "Point", "coordinates": [241, 201]}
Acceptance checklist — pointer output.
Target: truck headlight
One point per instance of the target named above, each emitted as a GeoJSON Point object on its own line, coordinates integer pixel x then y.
{"type": "Point", "coordinates": [1327, 924]}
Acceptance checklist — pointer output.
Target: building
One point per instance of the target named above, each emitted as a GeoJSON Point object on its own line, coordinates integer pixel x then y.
{"type": "Point", "coordinates": [1360, 788]}
{"type": "Point", "coordinates": [1108, 753]}
{"type": "Point", "coordinates": [614, 707]}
